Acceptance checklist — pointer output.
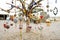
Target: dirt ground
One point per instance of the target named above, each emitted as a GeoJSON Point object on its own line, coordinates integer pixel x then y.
{"type": "Point", "coordinates": [51, 32]}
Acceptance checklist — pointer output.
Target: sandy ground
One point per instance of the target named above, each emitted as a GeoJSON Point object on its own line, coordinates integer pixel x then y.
{"type": "Point", "coordinates": [51, 32]}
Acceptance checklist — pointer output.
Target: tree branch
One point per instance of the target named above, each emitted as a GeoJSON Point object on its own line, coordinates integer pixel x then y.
{"type": "Point", "coordinates": [14, 6]}
{"type": "Point", "coordinates": [38, 1]}
{"type": "Point", "coordinates": [5, 10]}
{"type": "Point", "coordinates": [34, 7]}
{"type": "Point", "coordinates": [33, 3]}
{"type": "Point", "coordinates": [30, 4]}
{"type": "Point", "coordinates": [23, 6]}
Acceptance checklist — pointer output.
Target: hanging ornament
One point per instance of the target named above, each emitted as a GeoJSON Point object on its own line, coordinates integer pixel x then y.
{"type": "Point", "coordinates": [20, 26]}
{"type": "Point", "coordinates": [41, 16]}
{"type": "Point", "coordinates": [51, 10]}
{"type": "Point", "coordinates": [11, 24]}
{"type": "Point", "coordinates": [6, 26]}
{"type": "Point", "coordinates": [28, 29]}
{"type": "Point", "coordinates": [47, 6]}
{"type": "Point", "coordinates": [15, 20]}
{"type": "Point", "coordinates": [55, 11]}
{"type": "Point", "coordinates": [8, 19]}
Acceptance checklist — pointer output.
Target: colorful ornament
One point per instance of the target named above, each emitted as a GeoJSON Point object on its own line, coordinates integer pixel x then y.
{"type": "Point", "coordinates": [28, 29]}
{"type": "Point", "coordinates": [15, 20]}
{"type": "Point", "coordinates": [11, 24]}
{"type": "Point", "coordinates": [41, 17]}
{"type": "Point", "coordinates": [6, 26]}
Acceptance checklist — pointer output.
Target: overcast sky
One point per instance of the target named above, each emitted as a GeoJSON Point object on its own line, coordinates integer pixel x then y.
{"type": "Point", "coordinates": [52, 4]}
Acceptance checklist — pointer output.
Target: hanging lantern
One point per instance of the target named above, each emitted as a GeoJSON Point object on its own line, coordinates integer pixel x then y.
{"type": "Point", "coordinates": [11, 17]}
{"type": "Point", "coordinates": [20, 26]}
{"type": "Point", "coordinates": [11, 24]}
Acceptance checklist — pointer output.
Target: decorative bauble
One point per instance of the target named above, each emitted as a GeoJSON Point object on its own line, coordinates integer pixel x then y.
{"type": "Point", "coordinates": [11, 17]}
{"type": "Point", "coordinates": [15, 20]}
{"type": "Point", "coordinates": [11, 24]}
{"type": "Point", "coordinates": [41, 17]}
{"type": "Point", "coordinates": [47, 6]}
{"type": "Point", "coordinates": [6, 26]}
{"type": "Point", "coordinates": [8, 19]}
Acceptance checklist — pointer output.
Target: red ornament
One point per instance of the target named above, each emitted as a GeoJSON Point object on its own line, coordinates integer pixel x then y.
{"type": "Point", "coordinates": [41, 17]}
{"type": "Point", "coordinates": [6, 26]}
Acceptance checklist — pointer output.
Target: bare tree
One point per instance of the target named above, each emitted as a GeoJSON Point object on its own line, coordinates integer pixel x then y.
{"type": "Point", "coordinates": [31, 7]}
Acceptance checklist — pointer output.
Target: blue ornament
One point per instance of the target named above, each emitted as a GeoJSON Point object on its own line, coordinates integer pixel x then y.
{"type": "Point", "coordinates": [15, 20]}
